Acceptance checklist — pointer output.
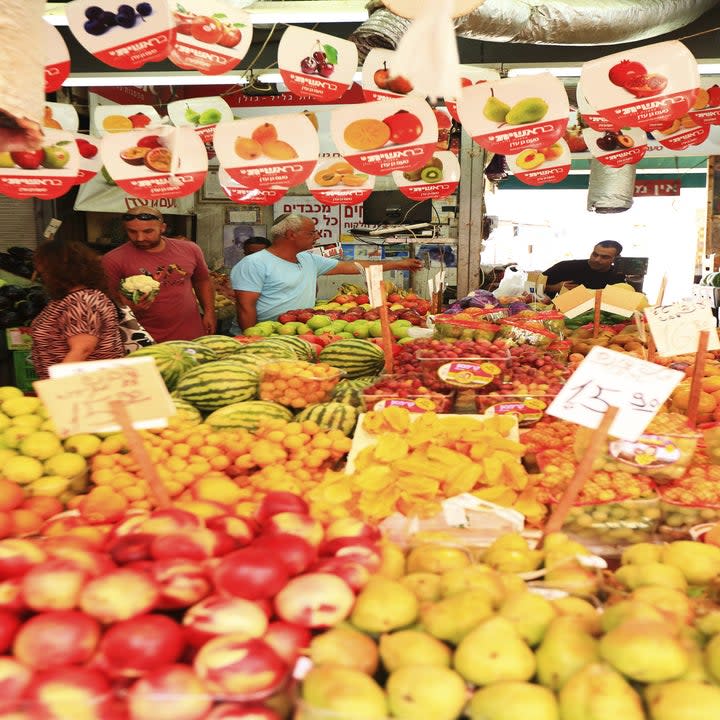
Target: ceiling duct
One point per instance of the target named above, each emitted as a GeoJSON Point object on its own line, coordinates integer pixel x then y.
{"type": "Point", "coordinates": [547, 22]}
{"type": "Point", "coordinates": [610, 190]}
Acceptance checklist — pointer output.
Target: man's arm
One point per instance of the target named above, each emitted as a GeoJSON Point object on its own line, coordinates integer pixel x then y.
{"type": "Point", "coordinates": [246, 308]}
{"type": "Point", "coordinates": [350, 267]}
{"type": "Point", "coordinates": [205, 292]}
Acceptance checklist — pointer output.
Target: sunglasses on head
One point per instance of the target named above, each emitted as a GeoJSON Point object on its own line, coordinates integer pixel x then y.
{"type": "Point", "coordinates": [140, 216]}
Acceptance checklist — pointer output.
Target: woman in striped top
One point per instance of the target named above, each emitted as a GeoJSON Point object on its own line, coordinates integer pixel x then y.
{"type": "Point", "coordinates": [80, 322]}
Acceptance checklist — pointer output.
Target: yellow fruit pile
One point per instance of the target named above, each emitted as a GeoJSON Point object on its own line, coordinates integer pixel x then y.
{"type": "Point", "coordinates": [298, 383]}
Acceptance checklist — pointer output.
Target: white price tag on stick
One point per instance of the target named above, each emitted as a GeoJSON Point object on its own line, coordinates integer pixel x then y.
{"type": "Point", "coordinates": [607, 378]}
{"type": "Point", "coordinates": [676, 328]}
{"type": "Point", "coordinates": [373, 278]}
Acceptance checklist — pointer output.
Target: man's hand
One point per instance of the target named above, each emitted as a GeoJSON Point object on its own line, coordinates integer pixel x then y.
{"type": "Point", "coordinates": [412, 264]}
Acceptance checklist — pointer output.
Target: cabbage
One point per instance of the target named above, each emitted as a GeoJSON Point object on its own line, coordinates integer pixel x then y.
{"type": "Point", "coordinates": [517, 307]}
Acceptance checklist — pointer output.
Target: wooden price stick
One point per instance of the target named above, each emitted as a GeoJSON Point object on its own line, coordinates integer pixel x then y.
{"type": "Point", "coordinates": [140, 453]}
{"type": "Point", "coordinates": [697, 377]}
{"type": "Point", "coordinates": [582, 472]}
{"type": "Point", "coordinates": [596, 317]}
{"type": "Point", "coordinates": [652, 350]}
{"type": "Point", "coordinates": [387, 337]}
{"type": "Point", "coordinates": [661, 291]}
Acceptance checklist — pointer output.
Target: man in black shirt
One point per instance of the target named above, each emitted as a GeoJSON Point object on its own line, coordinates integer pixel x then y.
{"type": "Point", "coordinates": [594, 273]}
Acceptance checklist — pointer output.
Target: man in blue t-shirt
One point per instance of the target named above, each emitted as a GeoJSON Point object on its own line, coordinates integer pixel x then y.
{"type": "Point", "coordinates": [284, 277]}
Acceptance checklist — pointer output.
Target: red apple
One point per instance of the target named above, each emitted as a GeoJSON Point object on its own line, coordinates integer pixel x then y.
{"type": "Point", "coordinates": [250, 574]}
{"type": "Point", "coordinates": [60, 637]}
{"type": "Point", "coordinates": [119, 595]}
{"type": "Point", "coordinates": [277, 501]}
{"type": "Point", "coordinates": [198, 544]}
{"type": "Point", "coordinates": [294, 523]}
{"type": "Point", "coordinates": [11, 597]}
{"type": "Point", "coordinates": [171, 692]}
{"type": "Point", "coordinates": [28, 159]}
{"type": "Point", "coordinates": [18, 555]}
{"type": "Point", "coordinates": [238, 711]}
{"type": "Point", "coordinates": [14, 679]}
{"type": "Point", "coordinates": [219, 615]}
{"type": "Point", "coordinates": [182, 583]}
{"type": "Point", "coordinates": [400, 84]}
{"type": "Point", "coordinates": [170, 520]}
{"type": "Point", "coordinates": [350, 527]}
{"type": "Point", "coordinates": [288, 640]}
{"type": "Point", "coordinates": [206, 29]}
{"type": "Point", "coordinates": [184, 22]}
{"type": "Point", "coordinates": [355, 574]}
{"type": "Point", "coordinates": [131, 522]}
{"type": "Point", "coordinates": [129, 548]}
{"type": "Point", "coordinates": [242, 530]}
{"type": "Point", "coordinates": [241, 668]}
{"type": "Point", "coordinates": [53, 585]}
{"type": "Point", "coordinates": [64, 693]}
{"type": "Point", "coordinates": [315, 600]}
{"type": "Point", "coordinates": [296, 552]}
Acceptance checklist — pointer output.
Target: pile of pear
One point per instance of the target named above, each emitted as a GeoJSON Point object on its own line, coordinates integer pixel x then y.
{"type": "Point", "coordinates": [450, 637]}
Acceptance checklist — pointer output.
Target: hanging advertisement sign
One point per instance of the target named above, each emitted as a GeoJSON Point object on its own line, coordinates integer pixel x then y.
{"type": "Point", "coordinates": [706, 108]}
{"type": "Point", "coordinates": [377, 81]}
{"type": "Point", "coordinates": [590, 116]}
{"type": "Point", "coordinates": [616, 148]}
{"type": "Point", "coordinates": [438, 178]}
{"type": "Point", "coordinates": [543, 166]}
{"type": "Point", "coordinates": [244, 195]}
{"type": "Point", "coordinates": [336, 182]}
{"type": "Point", "coordinates": [470, 76]}
{"type": "Point", "coordinates": [57, 59]}
{"type": "Point", "coordinates": [682, 133]}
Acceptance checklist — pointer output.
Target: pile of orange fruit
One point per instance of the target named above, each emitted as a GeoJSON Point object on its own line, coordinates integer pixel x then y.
{"type": "Point", "coordinates": [297, 383]}
{"type": "Point", "coordinates": [22, 514]}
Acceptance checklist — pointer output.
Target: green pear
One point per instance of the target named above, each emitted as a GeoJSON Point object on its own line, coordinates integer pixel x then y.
{"type": "Point", "coordinates": [698, 669]}
{"type": "Point", "coordinates": [346, 648]}
{"type": "Point", "coordinates": [495, 110]}
{"type": "Point", "coordinates": [530, 615]}
{"type": "Point", "coordinates": [412, 647]}
{"type": "Point", "coordinates": [399, 331]}
{"type": "Point", "coordinates": [560, 550]}
{"type": "Point", "coordinates": [627, 610]}
{"type": "Point", "coordinates": [338, 325]}
{"type": "Point", "coordinates": [597, 692]}
{"type": "Point", "coordinates": [425, 585]}
{"type": "Point", "coordinates": [673, 604]}
{"type": "Point", "coordinates": [641, 553]}
{"type": "Point", "coordinates": [579, 609]}
{"type": "Point", "coordinates": [345, 693]}
{"type": "Point", "coordinates": [384, 605]}
{"type": "Point", "coordinates": [453, 617]}
{"type": "Point", "coordinates": [573, 578]}
{"type": "Point", "coordinates": [527, 110]}
{"type": "Point", "coordinates": [635, 576]}
{"type": "Point", "coordinates": [645, 651]}
{"type": "Point", "coordinates": [511, 582]}
{"type": "Point", "coordinates": [510, 553]}
{"type": "Point", "coordinates": [481, 577]}
{"type": "Point", "coordinates": [698, 562]}
{"type": "Point", "coordinates": [682, 700]}
{"type": "Point", "coordinates": [565, 649]}
{"type": "Point", "coordinates": [425, 692]}
{"type": "Point", "coordinates": [375, 328]}
{"type": "Point", "coordinates": [494, 652]}
{"type": "Point", "coordinates": [510, 700]}
{"type": "Point", "coordinates": [436, 558]}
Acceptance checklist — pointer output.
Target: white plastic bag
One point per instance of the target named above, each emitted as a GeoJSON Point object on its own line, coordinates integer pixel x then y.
{"type": "Point", "coordinates": [512, 283]}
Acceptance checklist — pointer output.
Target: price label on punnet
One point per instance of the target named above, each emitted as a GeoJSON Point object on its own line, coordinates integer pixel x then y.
{"type": "Point", "coordinates": [380, 137]}
{"type": "Point", "coordinates": [268, 151]}
{"type": "Point", "coordinates": [438, 178]}
{"type": "Point", "coordinates": [89, 162]}
{"type": "Point", "coordinates": [509, 115]}
{"type": "Point", "coordinates": [248, 196]}
{"type": "Point", "coordinates": [316, 65]}
{"type": "Point", "coordinates": [202, 115]}
{"type": "Point", "coordinates": [589, 114]}
{"type": "Point", "coordinates": [470, 76]}
{"type": "Point", "coordinates": [57, 59]}
{"type": "Point", "coordinates": [607, 378]}
{"type": "Point", "coordinates": [541, 166]}
{"type": "Point", "coordinates": [676, 328]}
{"type": "Point", "coordinates": [46, 173]}
{"type": "Point", "coordinates": [212, 36]}
{"type": "Point", "coordinates": [163, 163]}
{"type": "Point", "coordinates": [706, 107]}
{"type": "Point", "coordinates": [336, 182]}
{"type": "Point", "coordinates": [128, 38]}
{"type": "Point", "coordinates": [378, 83]}
{"type": "Point", "coordinates": [616, 148]}
{"type": "Point", "coordinates": [645, 87]}
{"type": "Point", "coordinates": [682, 133]}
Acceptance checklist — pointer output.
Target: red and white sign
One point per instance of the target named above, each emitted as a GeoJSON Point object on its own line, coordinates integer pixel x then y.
{"type": "Point", "coordinates": [438, 178]}
{"type": "Point", "coordinates": [46, 173]}
{"type": "Point", "coordinates": [377, 81]}
{"type": "Point", "coordinates": [212, 36]}
{"type": "Point", "coordinates": [89, 162]}
{"type": "Point", "coordinates": [123, 118]}
{"type": "Point", "coordinates": [682, 133]}
{"type": "Point", "coordinates": [616, 148]}
{"type": "Point", "coordinates": [248, 196]}
{"type": "Point", "coordinates": [657, 188]}
{"type": "Point", "coordinates": [57, 59]}
{"type": "Point", "coordinates": [166, 162]}
{"type": "Point", "coordinates": [123, 40]}
{"type": "Point", "coordinates": [201, 114]}
{"type": "Point", "coordinates": [542, 166]}
{"type": "Point", "coordinates": [316, 65]}
{"type": "Point", "coordinates": [645, 87]}
{"type": "Point", "coordinates": [706, 108]}
{"type": "Point", "coordinates": [470, 76]}
{"type": "Point", "coordinates": [335, 182]}
{"type": "Point", "coordinates": [510, 115]}
{"type": "Point", "coordinates": [272, 150]}
{"type": "Point", "coordinates": [589, 115]}
{"type": "Point", "coordinates": [380, 137]}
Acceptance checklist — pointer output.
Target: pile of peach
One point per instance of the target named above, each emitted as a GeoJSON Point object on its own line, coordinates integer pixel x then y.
{"type": "Point", "coordinates": [297, 383]}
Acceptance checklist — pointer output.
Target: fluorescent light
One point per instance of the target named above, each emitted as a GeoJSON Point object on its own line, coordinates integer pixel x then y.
{"type": "Point", "coordinates": [138, 79]}
{"type": "Point", "coordinates": [709, 69]}
{"type": "Point", "coordinates": [276, 77]}
{"type": "Point", "coordinates": [557, 71]}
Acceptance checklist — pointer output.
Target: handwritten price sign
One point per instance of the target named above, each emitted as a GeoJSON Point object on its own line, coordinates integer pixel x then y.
{"type": "Point", "coordinates": [79, 396]}
{"type": "Point", "coordinates": [607, 378]}
{"type": "Point", "coordinates": [676, 328]}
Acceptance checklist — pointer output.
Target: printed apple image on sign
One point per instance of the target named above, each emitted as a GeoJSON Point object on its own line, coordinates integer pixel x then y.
{"type": "Point", "coordinates": [316, 65]}
{"type": "Point", "coordinates": [645, 87]}
{"type": "Point", "coordinates": [616, 148]}
{"type": "Point", "coordinates": [336, 182]}
{"type": "Point", "coordinates": [470, 76]}
{"type": "Point", "coordinates": [273, 150]}
{"type": "Point", "coordinates": [378, 82]}
{"type": "Point", "coordinates": [380, 137]}
{"type": "Point", "coordinates": [541, 166]}
{"type": "Point", "coordinates": [46, 173]}
{"type": "Point", "coordinates": [57, 58]}
{"type": "Point", "coordinates": [508, 115]}
{"type": "Point", "coordinates": [438, 178]}
{"type": "Point", "coordinates": [124, 36]}
{"type": "Point", "coordinates": [248, 196]}
{"type": "Point", "coordinates": [682, 133]}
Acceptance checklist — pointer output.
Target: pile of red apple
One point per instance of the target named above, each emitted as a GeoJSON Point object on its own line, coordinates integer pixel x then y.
{"type": "Point", "coordinates": [172, 615]}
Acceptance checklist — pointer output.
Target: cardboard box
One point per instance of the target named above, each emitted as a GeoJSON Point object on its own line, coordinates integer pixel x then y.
{"type": "Point", "coordinates": [18, 338]}
{"type": "Point", "coordinates": [535, 283]}
{"type": "Point", "coordinates": [619, 301]}
{"type": "Point", "coordinates": [23, 370]}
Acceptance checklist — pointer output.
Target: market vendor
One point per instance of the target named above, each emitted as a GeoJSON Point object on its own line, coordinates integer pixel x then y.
{"type": "Point", "coordinates": [594, 273]}
{"type": "Point", "coordinates": [284, 277]}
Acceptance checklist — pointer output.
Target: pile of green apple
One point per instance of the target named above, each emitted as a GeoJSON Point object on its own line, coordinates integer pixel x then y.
{"type": "Point", "coordinates": [447, 638]}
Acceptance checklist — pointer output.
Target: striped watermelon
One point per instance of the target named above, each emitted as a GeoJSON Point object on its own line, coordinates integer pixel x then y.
{"type": "Point", "coordinates": [356, 357]}
{"type": "Point", "coordinates": [172, 362]}
{"type": "Point", "coordinates": [267, 349]}
{"type": "Point", "coordinates": [303, 349]}
{"type": "Point", "coordinates": [350, 390]}
{"type": "Point", "coordinates": [186, 414]}
{"type": "Point", "coordinates": [218, 383]}
{"type": "Point", "coordinates": [221, 345]}
{"type": "Point", "coordinates": [247, 415]}
{"type": "Point", "coordinates": [331, 416]}
{"type": "Point", "coordinates": [195, 350]}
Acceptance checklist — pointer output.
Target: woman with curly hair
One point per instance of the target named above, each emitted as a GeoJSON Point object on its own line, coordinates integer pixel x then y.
{"type": "Point", "coordinates": [80, 322]}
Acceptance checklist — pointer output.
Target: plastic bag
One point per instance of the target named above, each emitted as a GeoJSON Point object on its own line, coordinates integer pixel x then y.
{"type": "Point", "coordinates": [512, 283]}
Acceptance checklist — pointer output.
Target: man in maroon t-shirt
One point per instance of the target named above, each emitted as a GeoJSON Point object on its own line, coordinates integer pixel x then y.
{"type": "Point", "coordinates": [177, 264]}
